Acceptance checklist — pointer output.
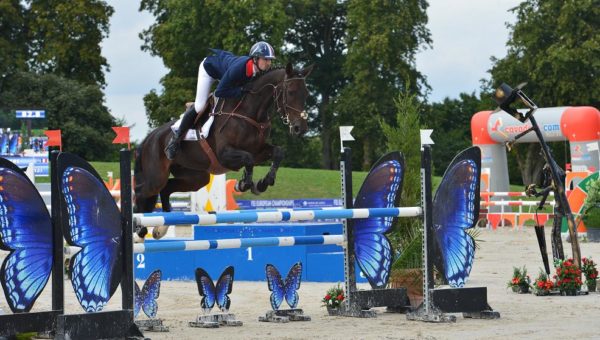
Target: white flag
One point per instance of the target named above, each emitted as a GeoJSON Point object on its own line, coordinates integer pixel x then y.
{"type": "Point", "coordinates": [426, 137]}
{"type": "Point", "coordinates": [345, 133]}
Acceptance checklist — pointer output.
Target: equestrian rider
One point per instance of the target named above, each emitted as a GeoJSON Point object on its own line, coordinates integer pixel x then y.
{"type": "Point", "coordinates": [233, 73]}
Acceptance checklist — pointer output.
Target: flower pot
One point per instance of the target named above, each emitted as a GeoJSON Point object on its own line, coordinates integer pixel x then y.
{"type": "Point", "coordinates": [515, 289]}
{"type": "Point", "coordinates": [523, 289]}
{"type": "Point", "coordinates": [542, 292]}
{"type": "Point", "coordinates": [591, 284]}
{"type": "Point", "coordinates": [333, 311]}
{"type": "Point", "coordinates": [568, 292]}
{"type": "Point", "coordinates": [412, 280]}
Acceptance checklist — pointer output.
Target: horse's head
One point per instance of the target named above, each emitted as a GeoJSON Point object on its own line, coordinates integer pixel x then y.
{"type": "Point", "coordinates": [291, 98]}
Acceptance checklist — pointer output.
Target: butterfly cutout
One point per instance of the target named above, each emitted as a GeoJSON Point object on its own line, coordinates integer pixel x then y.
{"type": "Point", "coordinates": [381, 189]}
{"type": "Point", "coordinates": [91, 221]}
{"type": "Point", "coordinates": [212, 293]}
{"type": "Point", "coordinates": [25, 231]}
{"type": "Point", "coordinates": [456, 209]}
{"type": "Point", "coordinates": [284, 290]}
{"type": "Point", "coordinates": [145, 299]}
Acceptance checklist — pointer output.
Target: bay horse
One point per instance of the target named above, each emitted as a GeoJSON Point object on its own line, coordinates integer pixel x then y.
{"type": "Point", "coordinates": [237, 139]}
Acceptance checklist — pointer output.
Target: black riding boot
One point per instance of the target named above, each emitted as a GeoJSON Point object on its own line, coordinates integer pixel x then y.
{"type": "Point", "coordinates": [186, 123]}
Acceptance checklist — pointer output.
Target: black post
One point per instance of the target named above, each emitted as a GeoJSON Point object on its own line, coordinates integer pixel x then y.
{"type": "Point", "coordinates": [58, 299]}
{"type": "Point", "coordinates": [127, 280]}
{"type": "Point", "coordinates": [560, 193]}
{"type": "Point", "coordinates": [349, 257]}
{"type": "Point", "coordinates": [426, 203]}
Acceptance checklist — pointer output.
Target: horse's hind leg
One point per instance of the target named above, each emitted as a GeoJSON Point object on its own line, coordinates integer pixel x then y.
{"type": "Point", "coordinates": [192, 182]}
{"type": "Point", "coordinates": [276, 153]}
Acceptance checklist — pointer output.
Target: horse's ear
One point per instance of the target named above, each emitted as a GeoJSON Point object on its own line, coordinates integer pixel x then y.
{"type": "Point", "coordinates": [307, 70]}
{"type": "Point", "coordinates": [289, 70]}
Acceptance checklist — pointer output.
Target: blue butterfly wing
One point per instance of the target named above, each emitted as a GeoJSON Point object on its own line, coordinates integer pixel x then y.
{"type": "Point", "coordinates": [292, 284]}
{"type": "Point", "coordinates": [275, 284]}
{"type": "Point", "coordinates": [150, 293]}
{"type": "Point", "coordinates": [381, 189]}
{"type": "Point", "coordinates": [455, 209]}
{"type": "Point", "coordinates": [94, 224]}
{"type": "Point", "coordinates": [25, 231]}
{"type": "Point", "coordinates": [138, 300]}
{"type": "Point", "coordinates": [223, 288]}
{"type": "Point", "coordinates": [206, 289]}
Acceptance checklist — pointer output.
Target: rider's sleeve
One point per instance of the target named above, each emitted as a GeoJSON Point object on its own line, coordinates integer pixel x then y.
{"type": "Point", "coordinates": [230, 84]}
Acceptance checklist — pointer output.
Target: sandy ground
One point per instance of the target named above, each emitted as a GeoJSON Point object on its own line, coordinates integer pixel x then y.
{"type": "Point", "coordinates": [523, 316]}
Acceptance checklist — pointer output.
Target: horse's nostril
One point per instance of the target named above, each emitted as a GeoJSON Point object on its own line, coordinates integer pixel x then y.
{"type": "Point", "coordinates": [296, 129]}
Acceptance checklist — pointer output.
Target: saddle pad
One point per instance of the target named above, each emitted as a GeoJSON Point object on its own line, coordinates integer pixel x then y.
{"type": "Point", "coordinates": [191, 135]}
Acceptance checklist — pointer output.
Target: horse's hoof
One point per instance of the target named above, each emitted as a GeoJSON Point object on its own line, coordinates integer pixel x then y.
{"type": "Point", "coordinates": [255, 190]}
{"type": "Point", "coordinates": [261, 186]}
{"type": "Point", "coordinates": [242, 186]}
{"type": "Point", "coordinates": [159, 232]}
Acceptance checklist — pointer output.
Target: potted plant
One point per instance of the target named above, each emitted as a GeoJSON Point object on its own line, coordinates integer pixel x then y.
{"type": "Point", "coordinates": [520, 280]}
{"type": "Point", "coordinates": [590, 212]}
{"type": "Point", "coordinates": [568, 277]}
{"type": "Point", "coordinates": [542, 285]}
{"type": "Point", "coordinates": [333, 299]}
{"type": "Point", "coordinates": [591, 273]}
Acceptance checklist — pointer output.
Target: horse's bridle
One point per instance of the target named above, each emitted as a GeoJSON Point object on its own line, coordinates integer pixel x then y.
{"type": "Point", "coordinates": [282, 109]}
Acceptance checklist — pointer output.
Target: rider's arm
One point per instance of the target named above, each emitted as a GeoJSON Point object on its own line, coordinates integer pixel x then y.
{"type": "Point", "coordinates": [231, 83]}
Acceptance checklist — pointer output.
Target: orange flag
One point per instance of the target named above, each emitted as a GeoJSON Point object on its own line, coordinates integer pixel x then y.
{"type": "Point", "coordinates": [54, 138]}
{"type": "Point", "coordinates": [122, 135]}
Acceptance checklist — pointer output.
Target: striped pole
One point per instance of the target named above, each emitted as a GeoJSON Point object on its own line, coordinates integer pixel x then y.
{"type": "Point", "coordinates": [506, 194]}
{"type": "Point", "coordinates": [151, 220]}
{"type": "Point", "coordinates": [514, 203]}
{"type": "Point", "coordinates": [284, 241]}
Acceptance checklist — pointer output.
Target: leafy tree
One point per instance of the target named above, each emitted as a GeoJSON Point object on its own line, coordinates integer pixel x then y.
{"type": "Point", "coordinates": [554, 46]}
{"type": "Point", "coordinates": [65, 38]}
{"type": "Point", "coordinates": [404, 135]}
{"type": "Point", "coordinates": [12, 38]}
{"type": "Point", "coordinates": [383, 38]}
{"type": "Point", "coordinates": [450, 120]}
{"type": "Point", "coordinates": [75, 109]}
{"type": "Point", "coordinates": [318, 36]}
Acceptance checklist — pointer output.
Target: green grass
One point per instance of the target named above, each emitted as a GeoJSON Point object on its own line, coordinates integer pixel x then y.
{"type": "Point", "coordinates": [290, 183]}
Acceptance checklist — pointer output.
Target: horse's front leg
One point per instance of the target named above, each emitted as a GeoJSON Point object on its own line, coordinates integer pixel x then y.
{"type": "Point", "coordinates": [276, 154]}
{"type": "Point", "coordinates": [236, 159]}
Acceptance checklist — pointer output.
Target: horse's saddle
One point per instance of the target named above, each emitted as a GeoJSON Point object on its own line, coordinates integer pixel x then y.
{"type": "Point", "coordinates": [193, 134]}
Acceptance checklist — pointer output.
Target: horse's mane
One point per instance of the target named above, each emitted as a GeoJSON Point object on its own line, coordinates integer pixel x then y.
{"type": "Point", "coordinates": [260, 74]}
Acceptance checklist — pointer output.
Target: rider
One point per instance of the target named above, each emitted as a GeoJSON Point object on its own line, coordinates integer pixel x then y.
{"type": "Point", "coordinates": [232, 72]}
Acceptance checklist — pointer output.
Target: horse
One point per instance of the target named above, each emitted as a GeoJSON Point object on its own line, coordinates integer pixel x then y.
{"type": "Point", "coordinates": [237, 139]}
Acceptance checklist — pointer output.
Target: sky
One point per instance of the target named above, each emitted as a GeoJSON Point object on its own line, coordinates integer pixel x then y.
{"type": "Point", "coordinates": [465, 35]}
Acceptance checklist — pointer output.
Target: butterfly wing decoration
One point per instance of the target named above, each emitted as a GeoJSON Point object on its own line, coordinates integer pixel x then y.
{"type": "Point", "coordinates": [381, 189]}
{"type": "Point", "coordinates": [284, 290]}
{"type": "Point", "coordinates": [212, 293]}
{"type": "Point", "coordinates": [456, 209]}
{"type": "Point", "coordinates": [25, 231]}
{"type": "Point", "coordinates": [145, 299]}
{"type": "Point", "coordinates": [92, 221]}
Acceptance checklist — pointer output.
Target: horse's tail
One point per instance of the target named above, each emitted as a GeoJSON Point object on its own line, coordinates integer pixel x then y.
{"type": "Point", "coordinates": [137, 165]}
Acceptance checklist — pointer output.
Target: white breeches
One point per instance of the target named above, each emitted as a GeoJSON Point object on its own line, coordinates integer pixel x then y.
{"type": "Point", "coordinates": [203, 87]}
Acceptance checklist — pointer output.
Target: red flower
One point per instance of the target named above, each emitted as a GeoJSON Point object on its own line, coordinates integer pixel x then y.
{"type": "Point", "coordinates": [340, 297]}
{"type": "Point", "coordinates": [327, 297]}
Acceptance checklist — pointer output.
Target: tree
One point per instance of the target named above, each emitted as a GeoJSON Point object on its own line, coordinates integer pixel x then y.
{"type": "Point", "coordinates": [450, 120]}
{"type": "Point", "coordinates": [76, 109]}
{"type": "Point", "coordinates": [12, 38]}
{"type": "Point", "coordinates": [317, 36]}
{"type": "Point", "coordinates": [383, 38]}
{"type": "Point", "coordinates": [65, 38]}
{"type": "Point", "coordinates": [554, 46]}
